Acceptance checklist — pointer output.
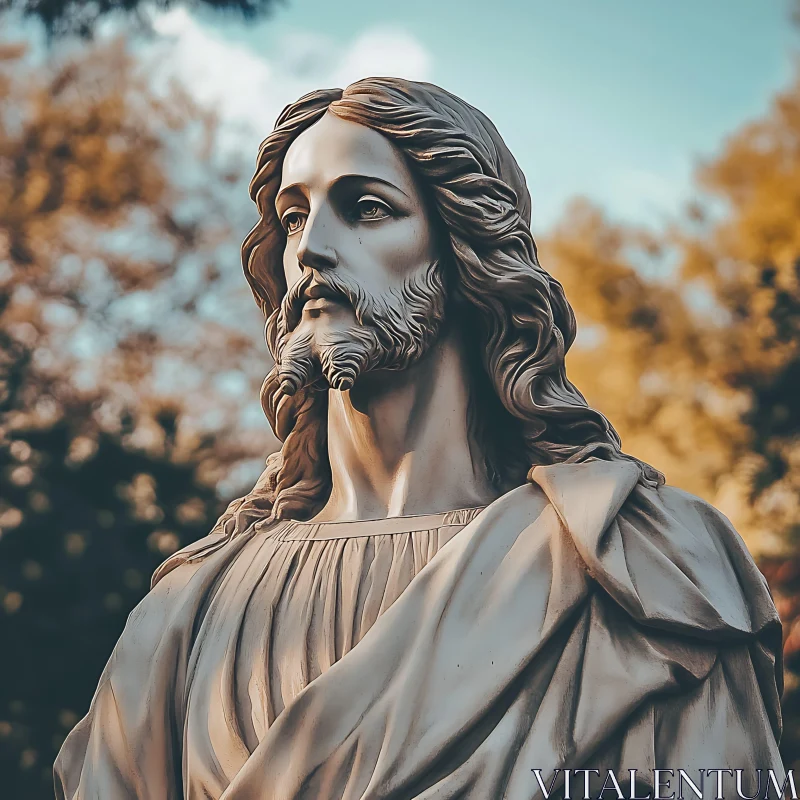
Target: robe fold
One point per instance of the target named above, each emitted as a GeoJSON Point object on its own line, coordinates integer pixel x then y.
{"type": "Point", "coordinates": [585, 620]}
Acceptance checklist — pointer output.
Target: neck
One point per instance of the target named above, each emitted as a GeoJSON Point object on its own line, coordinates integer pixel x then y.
{"type": "Point", "coordinates": [399, 442]}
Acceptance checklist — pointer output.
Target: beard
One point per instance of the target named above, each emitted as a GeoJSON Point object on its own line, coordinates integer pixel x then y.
{"type": "Point", "coordinates": [392, 331]}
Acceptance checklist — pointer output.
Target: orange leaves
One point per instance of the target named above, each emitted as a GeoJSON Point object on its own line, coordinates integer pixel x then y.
{"type": "Point", "coordinates": [695, 352]}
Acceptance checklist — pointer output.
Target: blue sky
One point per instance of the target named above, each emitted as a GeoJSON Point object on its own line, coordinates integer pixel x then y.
{"type": "Point", "coordinates": [613, 99]}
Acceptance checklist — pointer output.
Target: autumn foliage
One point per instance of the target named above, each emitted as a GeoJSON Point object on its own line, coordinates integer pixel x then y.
{"type": "Point", "coordinates": [114, 432]}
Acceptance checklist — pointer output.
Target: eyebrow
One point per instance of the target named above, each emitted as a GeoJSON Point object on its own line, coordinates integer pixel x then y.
{"type": "Point", "coordinates": [293, 187]}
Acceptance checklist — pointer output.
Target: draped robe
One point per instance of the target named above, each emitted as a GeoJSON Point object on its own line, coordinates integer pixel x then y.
{"type": "Point", "coordinates": [583, 620]}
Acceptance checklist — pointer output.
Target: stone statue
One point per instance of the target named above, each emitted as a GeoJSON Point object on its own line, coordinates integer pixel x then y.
{"type": "Point", "coordinates": [450, 582]}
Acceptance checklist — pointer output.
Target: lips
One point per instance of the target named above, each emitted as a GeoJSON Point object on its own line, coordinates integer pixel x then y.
{"type": "Point", "coordinates": [318, 297]}
{"type": "Point", "coordinates": [317, 290]}
{"type": "Point", "coordinates": [318, 303]}
{"type": "Point", "coordinates": [310, 297]}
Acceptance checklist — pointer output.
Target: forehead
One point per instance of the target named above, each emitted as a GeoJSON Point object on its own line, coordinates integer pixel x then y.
{"type": "Point", "coordinates": [333, 147]}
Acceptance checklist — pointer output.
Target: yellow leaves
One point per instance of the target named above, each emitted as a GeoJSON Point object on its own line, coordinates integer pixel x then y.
{"type": "Point", "coordinates": [191, 511]}
{"type": "Point", "coordinates": [593, 260]}
{"type": "Point", "coordinates": [140, 493]}
{"type": "Point", "coordinates": [21, 476]}
{"type": "Point", "coordinates": [700, 371]}
{"type": "Point", "coordinates": [111, 207]}
{"type": "Point", "coordinates": [37, 187]}
{"type": "Point", "coordinates": [10, 517]}
{"type": "Point", "coordinates": [645, 370]}
{"type": "Point", "coordinates": [81, 449]}
{"type": "Point", "coordinates": [758, 174]}
{"type": "Point", "coordinates": [86, 139]}
{"type": "Point", "coordinates": [163, 542]}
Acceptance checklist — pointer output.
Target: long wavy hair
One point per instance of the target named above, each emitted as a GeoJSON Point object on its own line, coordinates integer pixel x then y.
{"type": "Point", "coordinates": [515, 315]}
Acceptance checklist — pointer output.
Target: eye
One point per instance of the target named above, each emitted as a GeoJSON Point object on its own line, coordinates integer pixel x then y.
{"type": "Point", "coordinates": [370, 208]}
{"type": "Point", "coordinates": [293, 221]}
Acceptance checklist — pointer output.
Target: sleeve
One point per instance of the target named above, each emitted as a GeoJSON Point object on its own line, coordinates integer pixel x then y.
{"type": "Point", "coordinates": [128, 745]}
{"type": "Point", "coordinates": [722, 723]}
{"type": "Point", "coordinates": [677, 565]}
{"type": "Point", "coordinates": [680, 570]}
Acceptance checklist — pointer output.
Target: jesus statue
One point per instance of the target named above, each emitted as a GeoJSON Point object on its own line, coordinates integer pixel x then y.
{"type": "Point", "coordinates": [450, 583]}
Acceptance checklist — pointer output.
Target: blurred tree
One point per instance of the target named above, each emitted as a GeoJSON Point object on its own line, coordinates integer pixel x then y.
{"type": "Point", "coordinates": [87, 520]}
{"type": "Point", "coordinates": [116, 326]}
{"type": "Point", "coordinates": [77, 17]}
{"type": "Point", "coordinates": [697, 330]}
{"type": "Point", "coordinates": [113, 220]}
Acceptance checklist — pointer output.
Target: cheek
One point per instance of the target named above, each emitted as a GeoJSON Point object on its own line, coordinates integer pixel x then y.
{"type": "Point", "coordinates": [291, 269]}
{"type": "Point", "coordinates": [400, 248]}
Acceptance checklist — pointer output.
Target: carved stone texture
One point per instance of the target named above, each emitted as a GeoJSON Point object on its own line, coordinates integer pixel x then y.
{"type": "Point", "coordinates": [450, 582]}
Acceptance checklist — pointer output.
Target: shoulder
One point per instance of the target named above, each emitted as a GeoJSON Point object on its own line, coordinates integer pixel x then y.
{"type": "Point", "coordinates": [158, 623]}
{"type": "Point", "coordinates": [670, 559]}
{"type": "Point", "coordinates": [181, 588]}
{"type": "Point", "coordinates": [688, 525]}
{"type": "Point", "coordinates": [138, 699]}
{"type": "Point", "coordinates": [183, 585]}
{"type": "Point", "coordinates": [688, 565]}
{"type": "Point", "coordinates": [666, 505]}
{"type": "Point", "coordinates": [694, 534]}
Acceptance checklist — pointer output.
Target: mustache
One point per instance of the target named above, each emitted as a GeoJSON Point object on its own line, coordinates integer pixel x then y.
{"type": "Point", "coordinates": [393, 329]}
{"type": "Point", "coordinates": [333, 286]}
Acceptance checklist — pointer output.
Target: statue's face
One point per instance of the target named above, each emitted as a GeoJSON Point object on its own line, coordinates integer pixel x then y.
{"type": "Point", "coordinates": [358, 234]}
{"type": "Point", "coordinates": [348, 202]}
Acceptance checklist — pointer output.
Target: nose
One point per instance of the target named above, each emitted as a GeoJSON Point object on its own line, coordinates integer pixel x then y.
{"type": "Point", "coordinates": [315, 249]}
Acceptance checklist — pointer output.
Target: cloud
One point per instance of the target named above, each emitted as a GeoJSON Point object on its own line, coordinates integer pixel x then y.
{"type": "Point", "coordinates": [248, 90]}
{"type": "Point", "coordinates": [381, 52]}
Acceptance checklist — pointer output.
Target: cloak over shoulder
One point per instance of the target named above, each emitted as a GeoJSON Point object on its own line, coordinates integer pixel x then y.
{"type": "Point", "coordinates": [583, 620]}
